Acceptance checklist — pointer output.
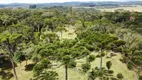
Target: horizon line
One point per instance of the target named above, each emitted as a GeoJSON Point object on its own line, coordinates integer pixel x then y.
{"type": "Point", "coordinates": [64, 2]}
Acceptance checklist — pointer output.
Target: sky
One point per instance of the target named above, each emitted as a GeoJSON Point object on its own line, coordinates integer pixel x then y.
{"type": "Point", "coordinates": [51, 1]}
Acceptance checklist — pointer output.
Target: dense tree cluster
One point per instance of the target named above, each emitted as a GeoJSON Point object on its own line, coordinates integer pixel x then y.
{"type": "Point", "coordinates": [32, 34]}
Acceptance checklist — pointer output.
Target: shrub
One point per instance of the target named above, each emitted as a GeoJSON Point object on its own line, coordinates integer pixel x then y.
{"type": "Point", "coordinates": [110, 71]}
{"type": "Point", "coordinates": [98, 56]}
{"type": "Point", "coordinates": [130, 66]}
{"type": "Point", "coordinates": [140, 78]}
{"type": "Point", "coordinates": [91, 58]}
{"type": "Point", "coordinates": [102, 54]}
{"type": "Point", "coordinates": [124, 60]}
{"type": "Point", "coordinates": [86, 67]}
{"type": "Point", "coordinates": [112, 54]}
{"type": "Point", "coordinates": [96, 49]}
{"type": "Point", "coordinates": [119, 76]}
{"type": "Point", "coordinates": [108, 64]}
{"type": "Point", "coordinates": [113, 78]}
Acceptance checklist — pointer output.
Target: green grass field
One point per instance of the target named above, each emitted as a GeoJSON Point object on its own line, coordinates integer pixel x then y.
{"type": "Point", "coordinates": [76, 73]}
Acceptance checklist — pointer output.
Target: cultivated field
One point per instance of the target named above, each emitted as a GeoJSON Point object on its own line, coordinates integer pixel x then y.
{"type": "Point", "coordinates": [134, 8]}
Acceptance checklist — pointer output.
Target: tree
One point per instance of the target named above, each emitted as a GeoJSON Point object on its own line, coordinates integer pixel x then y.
{"type": "Point", "coordinates": [108, 65]}
{"type": "Point", "coordinates": [40, 66]}
{"type": "Point", "coordinates": [65, 54]}
{"type": "Point", "coordinates": [60, 28]}
{"type": "Point", "coordinates": [32, 6]}
{"type": "Point", "coordinates": [40, 72]}
{"type": "Point", "coordinates": [66, 60]}
{"type": "Point", "coordinates": [49, 37]}
{"type": "Point", "coordinates": [100, 40]}
{"type": "Point", "coordinates": [36, 22]}
{"type": "Point", "coordinates": [5, 20]}
{"type": "Point", "coordinates": [49, 22]}
{"type": "Point", "coordinates": [103, 26]}
{"type": "Point", "coordinates": [9, 44]}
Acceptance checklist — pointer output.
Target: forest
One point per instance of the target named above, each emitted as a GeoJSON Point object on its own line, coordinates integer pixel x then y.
{"type": "Point", "coordinates": [67, 43]}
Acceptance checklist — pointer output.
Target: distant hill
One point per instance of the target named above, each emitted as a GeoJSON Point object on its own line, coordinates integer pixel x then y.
{"type": "Point", "coordinates": [14, 5]}
{"type": "Point", "coordinates": [1, 5]}
{"type": "Point", "coordinates": [89, 4]}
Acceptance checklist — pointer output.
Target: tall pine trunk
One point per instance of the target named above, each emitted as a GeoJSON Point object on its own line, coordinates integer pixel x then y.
{"type": "Point", "coordinates": [20, 66]}
{"type": "Point", "coordinates": [13, 66]}
{"type": "Point", "coordinates": [26, 62]}
{"type": "Point", "coordinates": [66, 72]}
{"type": "Point", "coordinates": [38, 28]}
{"type": "Point", "coordinates": [101, 64]}
{"type": "Point", "coordinates": [101, 60]}
{"type": "Point", "coordinates": [68, 31]}
{"type": "Point", "coordinates": [11, 54]}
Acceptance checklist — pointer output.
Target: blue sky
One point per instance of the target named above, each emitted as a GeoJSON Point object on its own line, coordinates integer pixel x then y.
{"type": "Point", "coordinates": [51, 1]}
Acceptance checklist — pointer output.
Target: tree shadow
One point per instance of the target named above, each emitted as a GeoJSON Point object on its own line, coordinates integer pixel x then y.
{"type": "Point", "coordinates": [6, 75]}
{"type": "Point", "coordinates": [7, 65]}
{"type": "Point", "coordinates": [29, 67]}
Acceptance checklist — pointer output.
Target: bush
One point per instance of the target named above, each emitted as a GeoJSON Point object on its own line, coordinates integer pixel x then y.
{"type": "Point", "coordinates": [124, 60]}
{"type": "Point", "coordinates": [86, 67]}
{"type": "Point", "coordinates": [113, 78]}
{"type": "Point", "coordinates": [97, 49]}
{"type": "Point", "coordinates": [98, 56]}
{"type": "Point", "coordinates": [102, 54]}
{"type": "Point", "coordinates": [130, 66]}
{"type": "Point", "coordinates": [110, 71]}
{"type": "Point", "coordinates": [119, 76]}
{"type": "Point", "coordinates": [140, 78]}
{"type": "Point", "coordinates": [108, 64]}
{"type": "Point", "coordinates": [37, 69]}
{"type": "Point", "coordinates": [91, 58]}
{"type": "Point", "coordinates": [112, 54]}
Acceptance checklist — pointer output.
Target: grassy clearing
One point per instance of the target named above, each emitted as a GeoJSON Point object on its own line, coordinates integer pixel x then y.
{"type": "Point", "coordinates": [21, 73]}
{"type": "Point", "coordinates": [70, 34]}
{"type": "Point", "coordinates": [137, 9]}
{"type": "Point", "coordinates": [117, 66]}
{"type": "Point", "coordinates": [76, 74]}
